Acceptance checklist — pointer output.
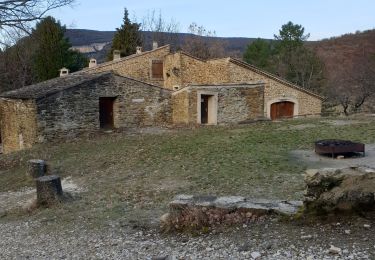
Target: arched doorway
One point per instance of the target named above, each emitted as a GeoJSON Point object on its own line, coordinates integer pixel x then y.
{"type": "Point", "coordinates": [282, 109]}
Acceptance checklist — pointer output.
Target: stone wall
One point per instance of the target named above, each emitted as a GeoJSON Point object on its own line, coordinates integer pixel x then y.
{"type": "Point", "coordinates": [180, 108]}
{"type": "Point", "coordinates": [193, 71]}
{"type": "Point", "coordinates": [76, 110]}
{"type": "Point", "coordinates": [172, 71]}
{"type": "Point", "coordinates": [235, 103]}
{"type": "Point", "coordinates": [137, 66]}
{"type": "Point", "coordinates": [276, 91]}
{"type": "Point", "coordinates": [18, 124]}
{"type": "Point", "coordinates": [183, 70]}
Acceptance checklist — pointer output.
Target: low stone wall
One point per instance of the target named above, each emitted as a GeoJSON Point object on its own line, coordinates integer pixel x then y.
{"type": "Point", "coordinates": [196, 212]}
{"type": "Point", "coordinates": [348, 189]}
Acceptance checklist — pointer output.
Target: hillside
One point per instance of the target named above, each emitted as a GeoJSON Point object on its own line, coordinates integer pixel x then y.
{"type": "Point", "coordinates": [345, 51]}
{"type": "Point", "coordinates": [97, 43]}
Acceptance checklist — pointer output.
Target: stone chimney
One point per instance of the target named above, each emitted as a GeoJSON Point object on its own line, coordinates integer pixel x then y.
{"type": "Point", "coordinates": [154, 45]}
{"type": "Point", "coordinates": [92, 63]}
{"type": "Point", "coordinates": [64, 72]}
{"type": "Point", "coordinates": [139, 50]}
{"type": "Point", "coordinates": [116, 55]}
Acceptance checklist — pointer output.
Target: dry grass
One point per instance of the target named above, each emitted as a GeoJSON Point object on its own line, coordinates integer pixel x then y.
{"type": "Point", "coordinates": [131, 177]}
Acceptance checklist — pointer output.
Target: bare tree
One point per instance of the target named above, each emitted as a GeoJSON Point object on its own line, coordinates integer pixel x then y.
{"type": "Point", "coordinates": [16, 65]}
{"type": "Point", "coordinates": [162, 31]}
{"type": "Point", "coordinates": [203, 43]}
{"type": "Point", "coordinates": [17, 16]}
{"type": "Point", "coordinates": [353, 87]}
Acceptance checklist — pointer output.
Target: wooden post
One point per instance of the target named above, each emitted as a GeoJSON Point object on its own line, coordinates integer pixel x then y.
{"type": "Point", "coordinates": [48, 190]}
{"type": "Point", "coordinates": [36, 168]}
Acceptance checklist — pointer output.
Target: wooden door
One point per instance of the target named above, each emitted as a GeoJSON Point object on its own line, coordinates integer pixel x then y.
{"type": "Point", "coordinates": [204, 109]}
{"type": "Point", "coordinates": [284, 109]}
{"type": "Point", "coordinates": [106, 112]}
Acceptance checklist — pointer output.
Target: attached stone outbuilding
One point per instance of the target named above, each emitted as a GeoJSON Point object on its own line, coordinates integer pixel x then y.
{"type": "Point", "coordinates": [217, 104]}
{"type": "Point", "coordinates": [67, 106]}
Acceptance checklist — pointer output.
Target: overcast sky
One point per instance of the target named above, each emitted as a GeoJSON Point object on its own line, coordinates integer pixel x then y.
{"type": "Point", "coordinates": [235, 18]}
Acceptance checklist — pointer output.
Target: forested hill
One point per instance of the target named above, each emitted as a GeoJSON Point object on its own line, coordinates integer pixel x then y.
{"type": "Point", "coordinates": [97, 43]}
{"type": "Point", "coordinates": [344, 51]}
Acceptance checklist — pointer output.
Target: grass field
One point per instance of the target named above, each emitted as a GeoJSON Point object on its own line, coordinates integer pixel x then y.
{"type": "Point", "coordinates": [132, 177]}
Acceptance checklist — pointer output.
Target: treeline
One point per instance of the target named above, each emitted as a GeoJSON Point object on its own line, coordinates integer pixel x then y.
{"type": "Point", "coordinates": [349, 87]}
{"type": "Point", "coordinates": [38, 57]}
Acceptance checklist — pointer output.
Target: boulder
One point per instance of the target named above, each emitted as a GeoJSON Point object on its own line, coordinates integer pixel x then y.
{"type": "Point", "coordinates": [346, 189]}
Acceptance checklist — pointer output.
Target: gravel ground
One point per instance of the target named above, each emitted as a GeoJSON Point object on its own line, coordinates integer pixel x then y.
{"type": "Point", "coordinates": [272, 239]}
{"type": "Point", "coordinates": [315, 161]}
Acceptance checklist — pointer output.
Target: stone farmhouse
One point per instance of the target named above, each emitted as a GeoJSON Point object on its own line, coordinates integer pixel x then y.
{"type": "Point", "coordinates": [151, 88]}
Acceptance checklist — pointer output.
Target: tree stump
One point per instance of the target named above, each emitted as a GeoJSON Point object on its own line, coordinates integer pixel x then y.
{"type": "Point", "coordinates": [36, 168]}
{"type": "Point", "coordinates": [48, 190]}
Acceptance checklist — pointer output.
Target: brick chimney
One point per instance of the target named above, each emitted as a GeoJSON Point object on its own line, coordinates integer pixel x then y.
{"type": "Point", "coordinates": [154, 45]}
{"type": "Point", "coordinates": [92, 63]}
{"type": "Point", "coordinates": [139, 50]}
{"type": "Point", "coordinates": [64, 72]}
{"type": "Point", "coordinates": [116, 55]}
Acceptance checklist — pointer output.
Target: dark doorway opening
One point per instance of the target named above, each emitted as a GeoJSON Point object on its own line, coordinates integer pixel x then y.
{"type": "Point", "coordinates": [106, 112]}
{"type": "Point", "coordinates": [204, 109]}
{"type": "Point", "coordinates": [284, 109]}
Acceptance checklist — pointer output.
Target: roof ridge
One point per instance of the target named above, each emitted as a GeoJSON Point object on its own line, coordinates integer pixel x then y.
{"type": "Point", "coordinates": [192, 56]}
{"type": "Point", "coordinates": [121, 59]}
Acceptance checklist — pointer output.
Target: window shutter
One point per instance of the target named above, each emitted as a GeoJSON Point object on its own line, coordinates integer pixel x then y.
{"type": "Point", "coordinates": [157, 69]}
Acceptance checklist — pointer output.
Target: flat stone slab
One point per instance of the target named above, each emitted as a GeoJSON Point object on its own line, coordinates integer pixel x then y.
{"type": "Point", "coordinates": [256, 206]}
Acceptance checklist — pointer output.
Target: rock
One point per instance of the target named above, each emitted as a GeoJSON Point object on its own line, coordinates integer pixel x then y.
{"type": "Point", "coordinates": [366, 226]}
{"type": "Point", "coordinates": [165, 218]}
{"type": "Point", "coordinates": [306, 237]}
{"type": "Point", "coordinates": [347, 232]}
{"type": "Point", "coordinates": [334, 250]}
{"type": "Point", "coordinates": [167, 257]}
{"type": "Point", "coordinates": [348, 189]}
{"type": "Point", "coordinates": [3, 213]}
{"type": "Point", "coordinates": [244, 248]}
{"type": "Point", "coordinates": [255, 255]}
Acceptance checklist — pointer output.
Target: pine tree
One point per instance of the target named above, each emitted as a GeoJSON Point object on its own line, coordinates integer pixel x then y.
{"type": "Point", "coordinates": [127, 37]}
{"type": "Point", "coordinates": [53, 50]}
{"type": "Point", "coordinates": [258, 53]}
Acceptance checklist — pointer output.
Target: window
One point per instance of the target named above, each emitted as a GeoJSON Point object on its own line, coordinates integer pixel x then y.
{"type": "Point", "coordinates": [157, 69]}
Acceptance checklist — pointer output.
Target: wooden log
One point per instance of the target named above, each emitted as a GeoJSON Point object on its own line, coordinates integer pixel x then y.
{"type": "Point", "coordinates": [36, 168]}
{"type": "Point", "coordinates": [48, 190]}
